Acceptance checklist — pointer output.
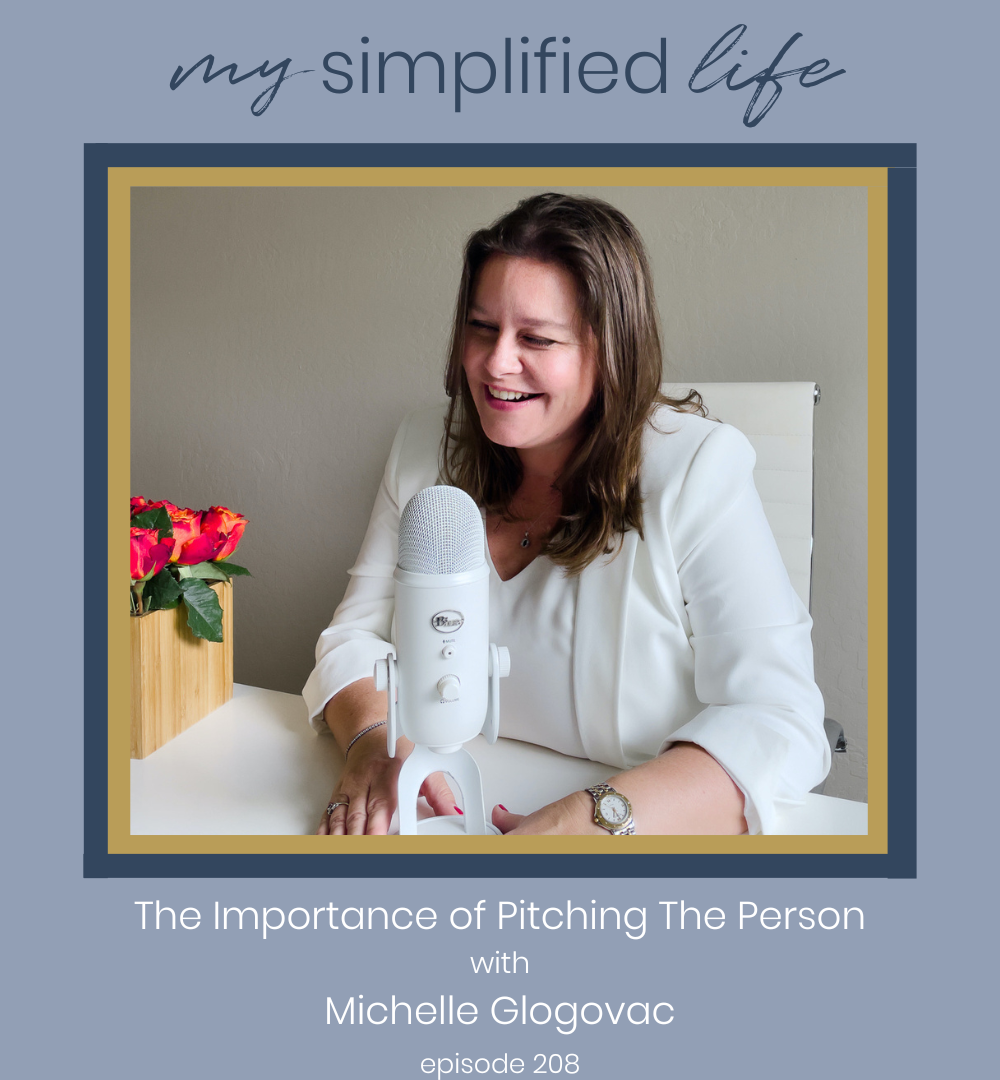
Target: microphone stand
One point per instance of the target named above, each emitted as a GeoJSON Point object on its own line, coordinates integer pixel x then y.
{"type": "Point", "coordinates": [454, 760]}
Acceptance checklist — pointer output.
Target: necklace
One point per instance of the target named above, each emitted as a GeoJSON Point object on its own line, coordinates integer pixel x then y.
{"type": "Point", "coordinates": [526, 540]}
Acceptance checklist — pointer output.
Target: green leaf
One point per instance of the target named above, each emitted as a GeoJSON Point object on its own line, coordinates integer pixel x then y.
{"type": "Point", "coordinates": [209, 571]}
{"type": "Point", "coordinates": [162, 592]}
{"type": "Point", "coordinates": [154, 519]}
{"type": "Point", "coordinates": [204, 613]}
{"type": "Point", "coordinates": [232, 570]}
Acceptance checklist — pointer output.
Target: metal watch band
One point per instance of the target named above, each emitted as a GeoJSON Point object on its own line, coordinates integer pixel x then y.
{"type": "Point", "coordinates": [598, 791]}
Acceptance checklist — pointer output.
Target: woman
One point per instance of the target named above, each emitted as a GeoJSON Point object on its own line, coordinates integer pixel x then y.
{"type": "Point", "coordinates": [649, 617]}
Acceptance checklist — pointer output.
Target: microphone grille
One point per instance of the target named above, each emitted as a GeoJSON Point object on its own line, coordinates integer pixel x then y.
{"type": "Point", "coordinates": [440, 532]}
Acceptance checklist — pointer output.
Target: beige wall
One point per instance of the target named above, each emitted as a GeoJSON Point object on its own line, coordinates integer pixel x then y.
{"type": "Point", "coordinates": [279, 336]}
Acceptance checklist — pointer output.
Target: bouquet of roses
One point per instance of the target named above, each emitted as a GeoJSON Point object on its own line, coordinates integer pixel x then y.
{"type": "Point", "coordinates": [176, 553]}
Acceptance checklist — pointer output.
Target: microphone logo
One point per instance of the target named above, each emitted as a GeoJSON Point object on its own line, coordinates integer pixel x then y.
{"type": "Point", "coordinates": [446, 622]}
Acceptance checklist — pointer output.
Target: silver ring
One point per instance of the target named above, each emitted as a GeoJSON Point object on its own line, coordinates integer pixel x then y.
{"type": "Point", "coordinates": [333, 806]}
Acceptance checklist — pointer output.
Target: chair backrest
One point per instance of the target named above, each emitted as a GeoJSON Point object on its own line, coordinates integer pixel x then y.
{"type": "Point", "coordinates": [777, 418]}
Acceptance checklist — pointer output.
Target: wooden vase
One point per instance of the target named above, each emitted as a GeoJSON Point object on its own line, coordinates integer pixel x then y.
{"type": "Point", "coordinates": [177, 678]}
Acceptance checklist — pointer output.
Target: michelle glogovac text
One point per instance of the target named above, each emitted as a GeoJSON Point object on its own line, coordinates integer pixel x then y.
{"type": "Point", "coordinates": [564, 1016]}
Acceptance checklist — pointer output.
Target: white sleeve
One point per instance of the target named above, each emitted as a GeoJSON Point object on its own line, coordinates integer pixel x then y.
{"type": "Point", "coordinates": [360, 632]}
{"type": "Point", "coordinates": [750, 634]}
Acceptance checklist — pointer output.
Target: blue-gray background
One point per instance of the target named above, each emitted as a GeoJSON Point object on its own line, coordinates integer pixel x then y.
{"type": "Point", "coordinates": [90, 991]}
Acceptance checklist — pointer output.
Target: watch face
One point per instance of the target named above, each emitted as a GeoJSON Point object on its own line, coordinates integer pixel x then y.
{"type": "Point", "coordinates": [614, 809]}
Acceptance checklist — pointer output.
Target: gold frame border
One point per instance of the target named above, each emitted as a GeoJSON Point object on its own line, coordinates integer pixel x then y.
{"type": "Point", "coordinates": [120, 183]}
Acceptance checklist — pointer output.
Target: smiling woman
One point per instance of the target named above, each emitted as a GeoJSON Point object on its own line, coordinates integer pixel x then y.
{"type": "Point", "coordinates": [650, 619]}
{"type": "Point", "coordinates": [571, 275]}
{"type": "Point", "coordinates": [529, 361]}
{"type": "Point", "coordinates": [531, 369]}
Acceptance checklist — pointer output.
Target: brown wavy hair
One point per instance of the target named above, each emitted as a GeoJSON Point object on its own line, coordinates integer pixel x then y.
{"type": "Point", "coordinates": [604, 253]}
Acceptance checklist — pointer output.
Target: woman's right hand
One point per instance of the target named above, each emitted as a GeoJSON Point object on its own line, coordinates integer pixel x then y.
{"type": "Point", "coordinates": [365, 796]}
{"type": "Point", "coordinates": [366, 791]}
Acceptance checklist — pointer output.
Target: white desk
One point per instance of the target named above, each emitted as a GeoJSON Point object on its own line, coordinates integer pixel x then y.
{"type": "Point", "coordinates": [255, 767]}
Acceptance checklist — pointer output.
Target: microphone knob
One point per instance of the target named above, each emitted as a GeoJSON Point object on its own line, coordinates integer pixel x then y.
{"type": "Point", "coordinates": [448, 687]}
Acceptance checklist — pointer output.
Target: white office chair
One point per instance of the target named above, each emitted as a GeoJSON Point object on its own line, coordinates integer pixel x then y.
{"type": "Point", "coordinates": [777, 418]}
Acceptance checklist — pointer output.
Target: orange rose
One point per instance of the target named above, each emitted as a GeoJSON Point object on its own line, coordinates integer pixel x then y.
{"type": "Point", "coordinates": [187, 526]}
{"type": "Point", "coordinates": [227, 526]}
{"type": "Point", "coordinates": [165, 503]}
{"type": "Point", "coordinates": [149, 555]}
{"type": "Point", "coordinates": [201, 548]}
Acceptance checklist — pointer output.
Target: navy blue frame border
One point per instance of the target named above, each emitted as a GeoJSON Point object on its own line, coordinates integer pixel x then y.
{"type": "Point", "coordinates": [899, 158]}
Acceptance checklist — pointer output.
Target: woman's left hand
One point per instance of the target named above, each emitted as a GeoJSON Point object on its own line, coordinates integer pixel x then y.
{"type": "Point", "coordinates": [571, 816]}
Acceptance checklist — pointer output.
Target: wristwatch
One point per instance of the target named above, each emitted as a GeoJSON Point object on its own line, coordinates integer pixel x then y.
{"type": "Point", "coordinates": [612, 811]}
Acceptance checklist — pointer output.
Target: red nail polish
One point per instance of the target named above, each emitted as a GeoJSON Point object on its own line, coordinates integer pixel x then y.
{"type": "Point", "coordinates": [460, 810]}
{"type": "Point", "coordinates": [503, 808]}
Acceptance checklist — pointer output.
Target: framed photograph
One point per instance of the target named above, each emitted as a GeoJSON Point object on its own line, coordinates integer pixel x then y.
{"type": "Point", "coordinates": [259, 321]}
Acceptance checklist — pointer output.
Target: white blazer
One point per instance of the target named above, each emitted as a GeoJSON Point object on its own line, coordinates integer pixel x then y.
{"type": "Point", "coordinates": [693, 633]}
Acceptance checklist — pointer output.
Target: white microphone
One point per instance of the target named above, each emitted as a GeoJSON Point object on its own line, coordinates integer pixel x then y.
{"type": "Point", "coordinates": [443, 683]}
